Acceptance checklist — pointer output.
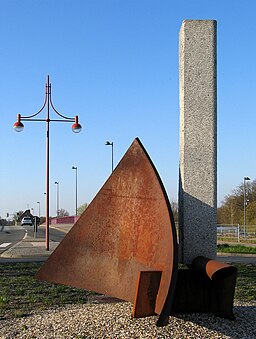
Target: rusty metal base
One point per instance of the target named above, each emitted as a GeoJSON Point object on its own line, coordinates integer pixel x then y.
{"type": "Point", "coordinates": [208, 286]}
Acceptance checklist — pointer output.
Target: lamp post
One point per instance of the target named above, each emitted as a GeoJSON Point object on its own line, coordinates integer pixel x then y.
{"type": "Point", "coordinates": [108, 143]}
{"type": "Point", "coordinates": [57, 198]}
{"type": "Point", "coordinates": [245, 202]}
{"type": "Point", "coordinates": [75, 168]}
{"type": "Point", "coordinates": [76, 127]}
{"type": "Point", "coordinates": [38, 202]}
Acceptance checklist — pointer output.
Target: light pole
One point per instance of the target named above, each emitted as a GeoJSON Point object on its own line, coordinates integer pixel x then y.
{"type": "Point", "coordinates": [108, 143]}
{"type": "Point", "coordinates": [75, 168]}
{"type": "Point", "coordinates": [57, 198]}
{"type": "Point", "coordinates": [38, 202]}
{"type": "Point", "coordinates": [76, 127]}
{"type": "Point", "coordinates": [245, 202]}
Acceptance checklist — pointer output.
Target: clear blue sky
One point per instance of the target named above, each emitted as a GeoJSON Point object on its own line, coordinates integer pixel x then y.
{"type": "Point", "coordinates": [115, 64]}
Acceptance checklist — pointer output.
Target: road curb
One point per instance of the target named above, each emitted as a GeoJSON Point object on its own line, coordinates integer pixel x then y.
{"type": "Point", "coordinates": [246, 255]}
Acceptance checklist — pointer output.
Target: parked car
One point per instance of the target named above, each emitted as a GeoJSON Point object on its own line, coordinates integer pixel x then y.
{"type": "Point", "coordinates": [26, 221]}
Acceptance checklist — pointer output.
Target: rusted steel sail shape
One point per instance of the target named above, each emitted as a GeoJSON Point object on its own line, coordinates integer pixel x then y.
{"type": "Point", "coordinates": [127, 228]}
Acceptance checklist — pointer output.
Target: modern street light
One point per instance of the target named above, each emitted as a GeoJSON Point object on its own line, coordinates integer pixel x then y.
{"type": "Point", "coordinates": [38, 202]}
{"type": "Point", "coordinates": [108, 143]}
{"type": "Point", "coordinates": [57, 198]}
{"type": "Point", "coordinates": [75, 168]}
{"type": "Point", "coordinates": [245, 202]}
{"type": "Point", "coordinates": [76, 128]}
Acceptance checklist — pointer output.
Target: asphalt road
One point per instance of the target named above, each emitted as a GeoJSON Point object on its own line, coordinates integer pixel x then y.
{"type": "Point", "coordinates": [54, 234]}
{"type": "Point", "coordinates": [10, 235]}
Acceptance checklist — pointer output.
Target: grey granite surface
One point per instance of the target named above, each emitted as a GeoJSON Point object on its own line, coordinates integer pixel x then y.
{"type": "Point", "coordinates": [198, 140]}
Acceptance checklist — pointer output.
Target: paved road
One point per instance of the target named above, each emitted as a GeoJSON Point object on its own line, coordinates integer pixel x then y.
{"type": "Point", "coordinates": [54, 234]}
{"type": "Point", "coordinates": [10, 235]}
{"type": "Point", "coordinates": [237, 258]}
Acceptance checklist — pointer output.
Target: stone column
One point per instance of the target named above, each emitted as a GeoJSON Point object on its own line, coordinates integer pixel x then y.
{"type": "Point", "coordinates": [198, 140]}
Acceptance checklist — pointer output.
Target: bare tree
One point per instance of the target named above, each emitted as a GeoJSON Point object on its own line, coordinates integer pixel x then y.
{"type": "Point", "coordinates": [63, 213]}
{"type": "Point", "coordinates": [81, 209]}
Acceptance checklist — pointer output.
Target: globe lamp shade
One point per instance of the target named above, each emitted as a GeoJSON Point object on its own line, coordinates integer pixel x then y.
{"type": "Point", "coordinates": [18, 126]}
{"type": "Point", "coordinates": [76, 127]}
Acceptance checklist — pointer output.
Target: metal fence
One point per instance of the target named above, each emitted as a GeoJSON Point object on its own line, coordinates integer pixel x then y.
{"type": "Point", "coordinates": [237, 233]}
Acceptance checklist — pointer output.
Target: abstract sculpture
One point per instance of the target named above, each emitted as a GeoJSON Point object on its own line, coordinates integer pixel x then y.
{"type": "Point", "coordinates": [124, 245]}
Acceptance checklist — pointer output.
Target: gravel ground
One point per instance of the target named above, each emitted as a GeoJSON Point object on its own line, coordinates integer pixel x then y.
{"type": "Point", "coordinates": [114, 321]}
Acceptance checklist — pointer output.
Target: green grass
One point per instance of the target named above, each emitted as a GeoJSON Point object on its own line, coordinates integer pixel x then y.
{"type": "Point", "coordinates": [226, 248]}
{"type": "Point", "coordinates": [246, 282]}
{"type": "Point", "coordinates": [21, 293]}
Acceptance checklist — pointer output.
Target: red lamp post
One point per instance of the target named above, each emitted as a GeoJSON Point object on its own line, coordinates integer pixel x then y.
{"type": "Point", "coordinates": [76, 128]}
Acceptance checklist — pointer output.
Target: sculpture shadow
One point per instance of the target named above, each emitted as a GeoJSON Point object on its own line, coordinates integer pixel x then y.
{"type": "Point", "coordinates": [242, 327]}
{"type": "Point", "coordinates": [196, 220]}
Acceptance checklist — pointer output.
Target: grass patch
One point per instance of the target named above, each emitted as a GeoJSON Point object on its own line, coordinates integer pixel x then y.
{"type": "Point", "coordinates": [21, 293]}
{"type": "Point", "coordinates": [246, 282]}
{"type": "Point", "coordinates": [226, 248]}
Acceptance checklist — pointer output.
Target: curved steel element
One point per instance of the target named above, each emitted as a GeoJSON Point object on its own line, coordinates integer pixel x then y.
{"type": "Point", "coordinates": [44, 104]}
{"type": "Point", "coordinates": [48, 101]}
{"type": "Point", "coordinates": [207, 286]}
{"type": "Point", "coordinates": [126, 230]}
{"type": "Point", "coordinates": [61, 115]}
{"type": "Point", "coordinates": [213, 268]}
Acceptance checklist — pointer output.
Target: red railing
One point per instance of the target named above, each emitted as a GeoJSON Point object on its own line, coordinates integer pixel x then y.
{"type": "Point", "coordinates": [64, 220]}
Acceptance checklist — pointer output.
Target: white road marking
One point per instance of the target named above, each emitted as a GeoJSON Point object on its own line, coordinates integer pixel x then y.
{"type": "Point", "coordinates": [5, 244]}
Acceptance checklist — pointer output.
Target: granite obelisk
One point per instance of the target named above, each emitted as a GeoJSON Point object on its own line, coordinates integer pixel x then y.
{"type": "Point", "coordinates": [198, 139]}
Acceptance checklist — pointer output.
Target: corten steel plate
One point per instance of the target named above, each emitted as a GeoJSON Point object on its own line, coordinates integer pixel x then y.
{"type": "Point", "coordinates": [213, 268]}
{"type": "Point", "coordinates": [127, 228]}
{"type": "Point", "coordinates": [146, 293]}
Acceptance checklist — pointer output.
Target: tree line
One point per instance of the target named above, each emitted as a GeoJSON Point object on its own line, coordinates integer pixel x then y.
{"type": "Point", "coordinates": [231, 210]}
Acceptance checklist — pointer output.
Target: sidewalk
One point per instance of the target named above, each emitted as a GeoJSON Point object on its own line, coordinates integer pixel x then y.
{"type": "Point", "coordinates": [238, 258]}
{"type": "Point", "coordinates": [32, 249]}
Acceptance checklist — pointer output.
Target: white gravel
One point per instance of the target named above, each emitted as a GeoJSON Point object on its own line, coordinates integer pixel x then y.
{"type": "Point", "coordinates": [114, 321]}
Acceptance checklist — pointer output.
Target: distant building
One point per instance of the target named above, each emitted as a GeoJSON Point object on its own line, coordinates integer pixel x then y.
{"type": "Point", "coordinates": [25, 214]}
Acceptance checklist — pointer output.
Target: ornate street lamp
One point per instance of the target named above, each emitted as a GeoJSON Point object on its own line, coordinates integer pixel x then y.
{"type": "Point", "coordinates": [108, 143]}
{"type": "Point", "coordinates": [76, 128]}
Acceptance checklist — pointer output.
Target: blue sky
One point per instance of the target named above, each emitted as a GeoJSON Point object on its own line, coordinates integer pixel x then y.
{"type": "Point", "coordinates": [115, 64]}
